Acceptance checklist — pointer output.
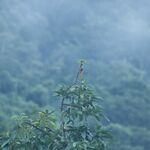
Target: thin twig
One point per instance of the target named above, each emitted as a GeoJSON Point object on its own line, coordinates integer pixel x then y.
{"type": "Point", "coordinates": [62, 104]}
{"type": "Point", "coordinates": [72, 105]}
{"type": "Point", "coordinates": [41, 130]}
{"type": "Point", "coordinates": [79, 73]}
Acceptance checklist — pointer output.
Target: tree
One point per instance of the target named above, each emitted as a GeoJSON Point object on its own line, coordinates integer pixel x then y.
{"type": "Point", "coordinates": [69, 132]}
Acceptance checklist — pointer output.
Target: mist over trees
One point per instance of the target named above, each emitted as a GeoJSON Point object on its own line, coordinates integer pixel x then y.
{"type": "Point", "coordinates": [41, 41]}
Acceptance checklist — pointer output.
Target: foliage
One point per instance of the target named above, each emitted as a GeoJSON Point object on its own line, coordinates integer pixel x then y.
{"type": "Point", "coordinates": [71, 132]}
{"type": "Point", "coordinates": [41, 40]}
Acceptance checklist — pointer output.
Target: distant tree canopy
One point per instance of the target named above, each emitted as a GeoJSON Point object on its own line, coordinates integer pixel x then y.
{"type": "Point", "coordinates": [41, 41]}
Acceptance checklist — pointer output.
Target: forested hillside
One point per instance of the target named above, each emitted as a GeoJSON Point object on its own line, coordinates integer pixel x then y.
{"type": "Point", "coordinates": [42, 41]}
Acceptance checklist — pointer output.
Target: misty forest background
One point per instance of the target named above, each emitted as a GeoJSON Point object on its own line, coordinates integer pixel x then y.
{"type": "Point", "coordinates": [41, 42]}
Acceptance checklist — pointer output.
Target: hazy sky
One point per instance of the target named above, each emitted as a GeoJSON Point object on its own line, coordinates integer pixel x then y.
{"type": "Point", "coordinates": [94, 25]}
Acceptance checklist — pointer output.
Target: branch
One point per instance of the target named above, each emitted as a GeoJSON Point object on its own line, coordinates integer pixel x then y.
{"type": "Point", "coordinates": [62, 104]}
{"type": "Point", "coordinates": [72, 105]}
{"type": "Point", "coordinates": [79, 72]}
{"type": "Point", "coordinates": [41, 130]}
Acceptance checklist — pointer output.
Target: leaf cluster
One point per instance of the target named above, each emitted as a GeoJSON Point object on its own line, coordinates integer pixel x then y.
{"type": "Point", "coordinates": [72, 131]}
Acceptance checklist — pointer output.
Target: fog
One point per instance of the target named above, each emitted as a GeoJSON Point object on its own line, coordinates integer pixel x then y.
{"type": "Point", "coordinates": [41, 42]}
{"type": "Point", "coordinates": [117, 25]}
{"type": "Point", "coordinates": [98, 27]}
